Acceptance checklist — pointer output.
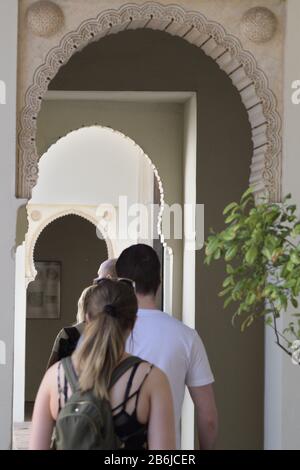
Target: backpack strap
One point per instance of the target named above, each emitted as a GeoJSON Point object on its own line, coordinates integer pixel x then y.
{"type": "Point", "coordinates": [123, 367]}
{"type": "Point", "coordinates": [117, 373]}
{"type": "Point", "coordinates": [70, 373]}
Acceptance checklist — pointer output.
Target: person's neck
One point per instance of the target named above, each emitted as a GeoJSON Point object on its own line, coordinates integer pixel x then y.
{"type": "Point", "coordinates": [147, 302]}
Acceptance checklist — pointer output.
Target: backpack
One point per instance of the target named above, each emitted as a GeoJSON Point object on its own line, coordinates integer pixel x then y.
{"type": "Point", "coordinates": [86, 421]}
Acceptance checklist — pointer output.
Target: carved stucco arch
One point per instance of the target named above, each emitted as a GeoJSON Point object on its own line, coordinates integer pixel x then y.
{"type": "Point", "coordinates": [40, 216]}
{"type": "Point", "coordinates": [225, 49]}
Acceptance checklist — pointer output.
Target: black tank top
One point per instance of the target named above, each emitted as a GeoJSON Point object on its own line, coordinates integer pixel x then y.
{"type": "Point", "coordinates": [132, 433]}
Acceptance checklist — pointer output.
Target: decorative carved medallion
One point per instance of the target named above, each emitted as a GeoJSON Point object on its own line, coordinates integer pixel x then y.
{"type": "Point", "coordinates": [195, 28]}
{"type": "Point", "coordinates": [259, 24]}
{"type": "Point", "coordinates": [45, 18]}
{"type": "Point", "coordinates": [35, 215]}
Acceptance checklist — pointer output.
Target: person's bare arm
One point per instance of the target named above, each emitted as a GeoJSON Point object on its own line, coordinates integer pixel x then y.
{"type": "Point", "coordinates": [54, 357]}
{"type": "Point", "coordinates": [42, 420]}
{"type": "Point", "coordinates": [207, 415]}
{"type": "Point", "coordinates": [161, 429]}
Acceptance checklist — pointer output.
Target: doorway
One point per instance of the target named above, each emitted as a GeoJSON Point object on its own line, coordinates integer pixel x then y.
{"type": "Point", "coordinates": [70, 242]}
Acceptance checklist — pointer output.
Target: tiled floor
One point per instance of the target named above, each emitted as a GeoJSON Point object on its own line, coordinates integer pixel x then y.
{"type": "Point", "coordinates": [21, 430]}
{"type": "Point", "coordinates": [21, 436]}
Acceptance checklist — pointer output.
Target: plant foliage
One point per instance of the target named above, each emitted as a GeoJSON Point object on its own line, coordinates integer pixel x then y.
{"type": "Point", "coordinates": [262, 254]}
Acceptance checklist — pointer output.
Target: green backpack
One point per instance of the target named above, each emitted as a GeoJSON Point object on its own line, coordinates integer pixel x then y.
{"type": "Point", "coordinates": [86, 422]}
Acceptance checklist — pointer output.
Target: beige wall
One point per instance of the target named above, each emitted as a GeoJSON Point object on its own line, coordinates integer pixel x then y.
{"type": "Point", "coordinates": [72, 241]}
{"type": "Point", "coordinates": [147, 60]}
{"type": "Point", "coordinates": [288, 405]}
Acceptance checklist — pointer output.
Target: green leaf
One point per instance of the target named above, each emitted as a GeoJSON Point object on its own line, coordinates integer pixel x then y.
{"type": "Point", "coordinates": [231, 253]}
{"type": "Point", "coordinates": [227, 302]}
{"type": "Point", "coordinates": [295, 257]}
{"type": "Point", "coordinates": [292, 208]}
{"type": "Point", "coordinates": [251, 255]}
{"type": "Point", "coordinates": [232, 217]}
{"type": "Point", "coordinates": [247, 193]}
{"type": "Point", "coordinates": [212, 246]}
{"type": "Point", "coordinates": [246, 323]}
{"type": "Point", "coordinates": [294, 302]}
{"type": "Point", "coordinates": [229, 234]}
{"type": "Point", "coordinates": [296, 230]}
{"type": "Point", "coordinates": [269, 321]}
{"type": "Point", "coordinates": [229, 269]}
{"type": "Point", "coordinates": [229, 207]}
{"type": "Point", "coordinates": [225, 291]}
{"type": "Point", "coordinates": [228, 281]}
{"type": "Point", "coordinates": [267, 253]}
{"type": "Point", "coordinates": [251, 298]}
{"type": "Point", "coordinates": [287, 197]}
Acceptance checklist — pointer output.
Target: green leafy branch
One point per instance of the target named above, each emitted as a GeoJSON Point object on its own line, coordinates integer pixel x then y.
{"type": "Point", "coordinates": [262, 256]}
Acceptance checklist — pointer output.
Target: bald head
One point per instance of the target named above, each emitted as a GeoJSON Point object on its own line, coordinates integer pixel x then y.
{"type": "Point", "coordinates": [108, 269]}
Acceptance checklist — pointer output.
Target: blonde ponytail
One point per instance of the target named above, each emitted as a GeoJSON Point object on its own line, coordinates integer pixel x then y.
{"type": "Point", "coordinates": [111, 308]}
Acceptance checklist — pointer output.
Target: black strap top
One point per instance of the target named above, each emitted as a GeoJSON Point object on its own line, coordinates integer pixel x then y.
{"type": "Point", "coordinates": [132, 433]}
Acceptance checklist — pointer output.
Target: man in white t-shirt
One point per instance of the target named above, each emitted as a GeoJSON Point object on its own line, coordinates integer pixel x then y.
{"type": "Point", "coordinates": [169, 344]}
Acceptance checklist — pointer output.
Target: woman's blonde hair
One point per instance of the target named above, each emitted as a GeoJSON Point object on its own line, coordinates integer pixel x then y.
{"type": "Point", "coordinates": [111, 308]}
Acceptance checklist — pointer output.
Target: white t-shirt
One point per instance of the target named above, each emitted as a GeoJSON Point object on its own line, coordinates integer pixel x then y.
{"type": "Point", "coordinates": [176, 349]}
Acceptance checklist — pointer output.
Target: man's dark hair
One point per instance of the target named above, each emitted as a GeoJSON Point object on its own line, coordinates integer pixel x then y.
{"type": "Point", "coordinates": [141, 264]}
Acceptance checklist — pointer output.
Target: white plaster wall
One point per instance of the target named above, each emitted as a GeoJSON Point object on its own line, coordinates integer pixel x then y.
{"type": "Point", "coordinates": [290, 378]}
{"type": "Point", "coordinates": [282, 378]}
{"type": "Point", "coordinates": [8, 73]}
{"type": "Point", "coordinates": [89, 166]}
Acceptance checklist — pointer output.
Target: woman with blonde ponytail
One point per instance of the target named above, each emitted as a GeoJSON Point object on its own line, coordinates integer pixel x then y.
{"type": "Point", "coordinates": [140, 400]}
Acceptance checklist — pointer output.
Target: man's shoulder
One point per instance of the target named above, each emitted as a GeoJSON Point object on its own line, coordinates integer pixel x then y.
{"type": "Point", "coordinates": [176, 324]}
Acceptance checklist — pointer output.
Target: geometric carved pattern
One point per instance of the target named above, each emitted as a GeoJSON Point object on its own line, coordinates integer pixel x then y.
{"type": "Point", "coordinates": [225, 49]}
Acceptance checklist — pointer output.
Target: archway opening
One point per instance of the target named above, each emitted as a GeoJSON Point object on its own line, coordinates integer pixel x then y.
{"type": "Point", "coordinates": [67, 256]}
{"type": "Point", "coordinates": [145, 60]}
{"type": "Point", "coordinates": [75, 190]}
{"type": "Point", "coordinates": [148, 60]}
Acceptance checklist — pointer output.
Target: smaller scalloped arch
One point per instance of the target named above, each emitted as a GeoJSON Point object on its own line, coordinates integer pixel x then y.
{"type": "Point", "coordinates": [75, 211]}
{"type": "Point", "coordinates": [142, 154]}
{"type": "Point", "coordinates": [31, 274]}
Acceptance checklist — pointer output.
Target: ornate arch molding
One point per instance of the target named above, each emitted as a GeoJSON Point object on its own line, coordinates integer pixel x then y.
{"type": "Point", "coordinates": [40, 216]}
{"type": "Point", "coordinates": [225, 49]}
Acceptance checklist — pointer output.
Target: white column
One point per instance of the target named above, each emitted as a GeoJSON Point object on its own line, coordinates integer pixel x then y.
{"type": "Point", "coordinates": [189, 254]}
{"type": "Point", "coordinates": [19, 337]}
{"type": "Point", "coordinates": [8, 75]}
